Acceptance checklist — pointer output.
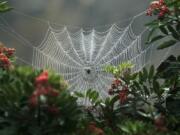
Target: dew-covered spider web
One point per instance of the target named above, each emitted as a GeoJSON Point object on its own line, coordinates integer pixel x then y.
{"type": "Point", "coordinates": [80, 56]}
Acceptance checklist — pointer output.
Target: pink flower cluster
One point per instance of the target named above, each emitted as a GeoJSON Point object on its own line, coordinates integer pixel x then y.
{"type": "Point", "coordinates": [43, 88]}
{"type": "Point", "coordinates": [5, 55]}
{"type": "Point", "coordinates": [159, 6]}
{"type": "Point", "coordinates": [123, 94]}
{"type": "Point", "coordinates": [122, 90]}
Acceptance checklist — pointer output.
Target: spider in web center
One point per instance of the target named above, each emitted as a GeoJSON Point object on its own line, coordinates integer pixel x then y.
{"type": "Point", "coordinates": [89, 74]}
{"type": "Point", "coordinates": [88, 71]}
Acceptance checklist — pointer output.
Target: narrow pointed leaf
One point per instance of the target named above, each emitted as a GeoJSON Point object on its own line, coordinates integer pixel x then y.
{"type": "Point", "coordinates": [156, 38]}
{"type": "Point", "coordinates": [145, 74]}
{"type": "Point", "coordinates": [163, 30]}
{"type": "Point", "coordinates": [178, 27]}
{"type": "Point", "coordinates": [151, 72]}
{"type": "Point", "coordinates": [150, 34]}
{"type": "Point", "coordinates": [174, 33]}
{"type": "Point", "coordinates": [167, 44]}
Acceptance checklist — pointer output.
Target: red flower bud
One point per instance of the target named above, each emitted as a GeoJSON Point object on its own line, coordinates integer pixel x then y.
{"type": "Point", "coordinates": [9, 51]}
{"type": "Point", "coordinates": [160, 6]}
{"type": "Point", "coordinates": [149, 12]}
{"type": "Point", "coordinates": [117, 82]}
{"type": "Point", "coordinates": [164, 9]}
{"type": "Point", "coordinates": [113, 86]}
{"type": "Point", "coordinates": [123, 95]}
{"type": "Point", "coordinates": [33, 101]}
{"type": "Point", "coordinates": [42, 78]}
{"type": "Point", "coordinates": [4, 61]}
{"type": "Point", "coordinates": [161, 2]}
{"type": "Point", "coordinates": [42, 88]}
{"type": "Point", "coordinates": [161, 15]}
{"type": "Point", "coordinates": [110, 92]}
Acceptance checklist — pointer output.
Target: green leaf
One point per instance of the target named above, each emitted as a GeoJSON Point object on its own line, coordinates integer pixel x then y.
{"type": "Point", "coordinates": [145, 74]}
{"type": "Point", "coordinates": [125, 129]}
{"type": "Point", "coordinates": [151, 72]}
{"type": "Point", "coordinates": [167, 44]}
{"type": "Point", "coordinates": [137, 85]}
{"type": "Point", "coordinates": [114, 99]}
{"type": "Point", "coordinates": [134, 76]}
{"type": "Point", "coordinates": [94, 96]}
{"type": "Point", "coordinates": [156, 38]}
{"type": "Point", "coordinates": [146, 90]}
{"type": "Point", "coordinates": [178, 58]}
{"type": "Point", "coordinates": [88, 93]}
{"type": "Point", "coordinates": [150, 34]}
{"type": "Point", "coordinates": [78, 94]}
{"type": "Point", "coordinates": [178, 27]}
{"type": "Point", "coordinates": [143, 114]}
{"type": "Point", "coordinates": [141, 80]}
{"type": "Point", "coordinates": [174, 33]}
{"type": "Point", "coordinates": [163, 30]}
{"type": "Point", "coordinates": [4, 7]}
{"type": "Point", "coordinates": [4, 3]}
{"type": "Point", "coordinates": [118, 70]}
{"type": "Point", "coordinates": [156, 87]}
{"type": "Point", "coordinates": [154, 23]}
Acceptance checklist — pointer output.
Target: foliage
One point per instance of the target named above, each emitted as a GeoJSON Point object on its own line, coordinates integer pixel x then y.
{"type": "Point", "coordinates": [133, 127]}
{"type": "Point", "coordinates": [101, 112]}
{"type": "Point", "coordinates": [33, 102]}
{"type": "Point", "coordinates": [145, 98]}
{"type": "Point", "coordinates": [170, 71]}
{"type": "Point", "coordinates": [119, 70]}
{"type": "Point", "coordinates": [4, 6]}
{"type": "Point", "coordinates": [141, 103]}
{"type": "Point", "coordinates": [167, 22]}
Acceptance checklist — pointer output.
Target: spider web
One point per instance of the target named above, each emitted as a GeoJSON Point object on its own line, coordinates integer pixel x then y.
{"type": "Point", "coordinates": [81, 56]}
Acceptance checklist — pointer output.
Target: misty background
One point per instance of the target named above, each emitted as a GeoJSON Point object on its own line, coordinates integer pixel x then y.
{"type": "Point", "coordinates": [26, 25]}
